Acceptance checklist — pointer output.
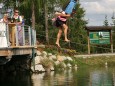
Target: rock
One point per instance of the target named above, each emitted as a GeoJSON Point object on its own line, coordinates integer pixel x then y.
{"type": "Point", "coordinates": [49, 54]}
{"type": "Point", "coordinates": [50, 58]}
{"type": "Point", "coordinates": [68, 65]}
{"type": "Point", "coordinates": [39, 53]}
{"type": "Point", "coordinates": [69, 58]}
{"type": "Point", "coordinates": [64, 65]}
{"type": "Point", "coordinates": [64, 58]}
{"type": "Point", "coordinates": [57, 62]}
{"type": "Point", "coordinates": [41, 46]}
{"type": "Point", "coordinates": [37, 59]}
{"type": "Point", "coordinates": [40, 57]}
{"type": "Point", "coordinates": [39, 67]}
{"type": "Point", "coordinates": [36, 77]}
{"type": "Point", "coordinates": [60, 58]}
{"type": "Point", "coordinates": [75, 67]}
{"type": "Point", "coordinates": [52, 68]}
{"type": "Point", "coordinates": [52, 74]}
{"type": "Point", "coordinates": [44, 53]}
{"type": "Point", "coordinates": [45, 56]}
{"type": "Point", "coordinates": [53, 57]}
{"type": "Point", "coordinates": [84, 57]}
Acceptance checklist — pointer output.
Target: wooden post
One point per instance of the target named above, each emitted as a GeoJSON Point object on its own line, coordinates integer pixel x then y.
{"type": "Point", "coordinates": [12, 33]}
{"type": "Point", "coordinates": [29, 34]}
{"type": "Point", "coordinates": [88, 42]}
{"type": "Point", "coordinates": [7, 32]}
{"type": "Point", "coordinates": [16, 35]}
{"type": "Point", "coordinates": [33, 39]}
{"type": "Point", "coordinates": [23, 33]}
{"type": "Point", "coordinates": [111, 40]}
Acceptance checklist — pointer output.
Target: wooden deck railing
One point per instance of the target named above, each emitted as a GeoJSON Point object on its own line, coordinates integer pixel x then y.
{"type": "Point", "coordinates": [12, 35]}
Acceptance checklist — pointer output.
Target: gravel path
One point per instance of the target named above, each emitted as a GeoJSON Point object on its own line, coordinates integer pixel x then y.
{"type": "Point", "coordinates": [95, 55]}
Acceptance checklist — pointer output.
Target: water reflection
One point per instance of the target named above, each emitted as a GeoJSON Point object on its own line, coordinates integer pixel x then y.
{"type": "Point", "coordinates": [80, 77]}
{"type": "Point", "coordinates": [101, 78]}
{"type": "Point", "coordinates": [16, 80]}
{"type": "Point", "coordinates": [62, 78]}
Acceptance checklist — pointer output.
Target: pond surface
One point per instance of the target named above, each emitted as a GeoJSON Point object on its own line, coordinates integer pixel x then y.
{"type": "Point", "coordinates": [79, 77]}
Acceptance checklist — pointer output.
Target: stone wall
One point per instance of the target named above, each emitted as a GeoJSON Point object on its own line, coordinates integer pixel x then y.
{"type": "Point", "coordinates": [56, 60]}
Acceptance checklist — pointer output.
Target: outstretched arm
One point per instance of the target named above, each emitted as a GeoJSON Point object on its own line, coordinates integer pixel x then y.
{"type": "Point", "coordinates": [61, 14]}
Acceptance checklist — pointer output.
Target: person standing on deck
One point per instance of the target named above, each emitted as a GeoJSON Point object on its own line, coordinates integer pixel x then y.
{"type": "Point", "coordinates": [18, 21]}
{"type": "Point", "coordinates": [4, 19]}
{"type": "Point", "coordinates": [3, 31]}
{"type": "Point", "coordinates": [17, 17]}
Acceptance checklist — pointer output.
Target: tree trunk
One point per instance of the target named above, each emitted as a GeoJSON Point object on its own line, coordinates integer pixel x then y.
{"type": "Point", "coordinates": [46, 21]}
{"type": "Point", "coordinates": [33, 15]}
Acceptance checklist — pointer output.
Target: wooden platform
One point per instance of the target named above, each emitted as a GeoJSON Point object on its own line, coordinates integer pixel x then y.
{"type": "Point", "coordinates": [17, 50]}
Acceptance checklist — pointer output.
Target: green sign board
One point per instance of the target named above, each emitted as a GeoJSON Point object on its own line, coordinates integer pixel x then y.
{"type": "Point", "coordinates": [100, 37]}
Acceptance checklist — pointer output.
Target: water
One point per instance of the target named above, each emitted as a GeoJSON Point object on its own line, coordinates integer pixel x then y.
{"type": "Point", "coordinates": [79, 77]}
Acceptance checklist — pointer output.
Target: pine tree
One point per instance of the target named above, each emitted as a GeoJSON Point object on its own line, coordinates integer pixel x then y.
{"type": "Point", "coordinates": [106, 21]}
{"type": "Point", "coordinates": [78, 34]}
{"type": "Point", "coordinates": [113, 29]}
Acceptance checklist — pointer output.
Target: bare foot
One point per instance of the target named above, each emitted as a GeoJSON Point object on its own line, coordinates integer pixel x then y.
{"type": "Point", "coordinates": [67, 40]}
{"type": "Point", "coordinates": [58, 45]}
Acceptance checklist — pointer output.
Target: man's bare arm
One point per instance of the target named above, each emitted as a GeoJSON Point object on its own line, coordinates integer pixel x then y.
{"type": "Point", "coordinates": [61, 14]}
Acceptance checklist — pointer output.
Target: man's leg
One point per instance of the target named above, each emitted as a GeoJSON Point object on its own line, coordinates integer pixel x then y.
{"type": "Point", "coordinates": [58, 37]}
{"type": "Point", "coordinates": [65, 32]}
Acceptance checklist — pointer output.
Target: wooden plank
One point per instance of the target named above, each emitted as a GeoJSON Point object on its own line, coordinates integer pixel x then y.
{"type": "Point", "coordinates": [23, 47]}
{"type": "Point", "coordinates": [21, 51]}
{"type": "Point", "coordinates": [16, 51]}
{"type": "Point", "coordinates": [4, 53]}
{"type": "Point", "coordinates": [98, 28]}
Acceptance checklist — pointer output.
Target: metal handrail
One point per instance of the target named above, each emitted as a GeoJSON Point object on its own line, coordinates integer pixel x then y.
{"type": "Point", "coordinates": [24, 35]}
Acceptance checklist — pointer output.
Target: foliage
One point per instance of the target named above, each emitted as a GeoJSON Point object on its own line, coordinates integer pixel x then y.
{"type": "Point", "coordinates": [113, 29]}
{"type": "Point", "coordinates": [106, 21]}
{"type": "Point", "coordinates": [99, 61]}
{"type": "Point", "coordinates": [47, 63]}
{"type": "Point", "coordinates": [77, 33]}
{"type": "Point", "coordinates": [59, 66]}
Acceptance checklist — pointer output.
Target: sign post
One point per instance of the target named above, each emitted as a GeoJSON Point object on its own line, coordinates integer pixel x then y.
{"type": "Point", "coordinates": [88, 43]}
{"type": "Point", "coordinates": [99, 35]}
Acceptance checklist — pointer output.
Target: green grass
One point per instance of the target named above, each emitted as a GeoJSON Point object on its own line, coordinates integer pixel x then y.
{"type": "Point", "coordinates": [96, 61]}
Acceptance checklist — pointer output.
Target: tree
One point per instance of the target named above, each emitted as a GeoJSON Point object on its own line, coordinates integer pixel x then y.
{"type": "Point", "coordinates": [106, 21]}
{"type": "Point", "coordinates": [78, 34]}
{"type": "Point", "coordinates": [28, 4]}
{"type": "Point", "coordinates": [46, 21]}
{"type": "Point", "coordinates": [113, 30]}
{"type": "Point", "coordinates": [42, 11]}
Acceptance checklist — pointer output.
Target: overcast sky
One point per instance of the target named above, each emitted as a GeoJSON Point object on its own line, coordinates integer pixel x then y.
{"type": "Point", "coordinates": [97, 9]}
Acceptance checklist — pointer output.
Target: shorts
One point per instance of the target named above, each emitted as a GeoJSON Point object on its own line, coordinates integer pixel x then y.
{"type": "Point", "coordinates": [59, 23]}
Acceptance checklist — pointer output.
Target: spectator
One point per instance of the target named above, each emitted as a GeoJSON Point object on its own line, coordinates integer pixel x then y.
{"type": "Point", "coordinates": [17, 17]}
{"type": "Point", "coordinates": [4, 19]}
{"type": "Point", "coordinates": [18, 21]}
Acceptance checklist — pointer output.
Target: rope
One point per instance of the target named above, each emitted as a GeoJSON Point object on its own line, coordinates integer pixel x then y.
{"type": "Point", "coordinates": [77, 43]}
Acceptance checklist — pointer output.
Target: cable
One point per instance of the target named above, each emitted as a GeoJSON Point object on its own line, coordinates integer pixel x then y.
{"type": "Point", "coordinates": [78, 43]}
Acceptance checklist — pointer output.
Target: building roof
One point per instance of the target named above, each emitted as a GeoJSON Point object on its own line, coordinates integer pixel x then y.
{"type": "Point", "coordinates": [98, 28]}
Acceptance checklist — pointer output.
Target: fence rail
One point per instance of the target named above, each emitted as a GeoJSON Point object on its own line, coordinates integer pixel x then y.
{"type": "Point", "coordinates": [16, 35]}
